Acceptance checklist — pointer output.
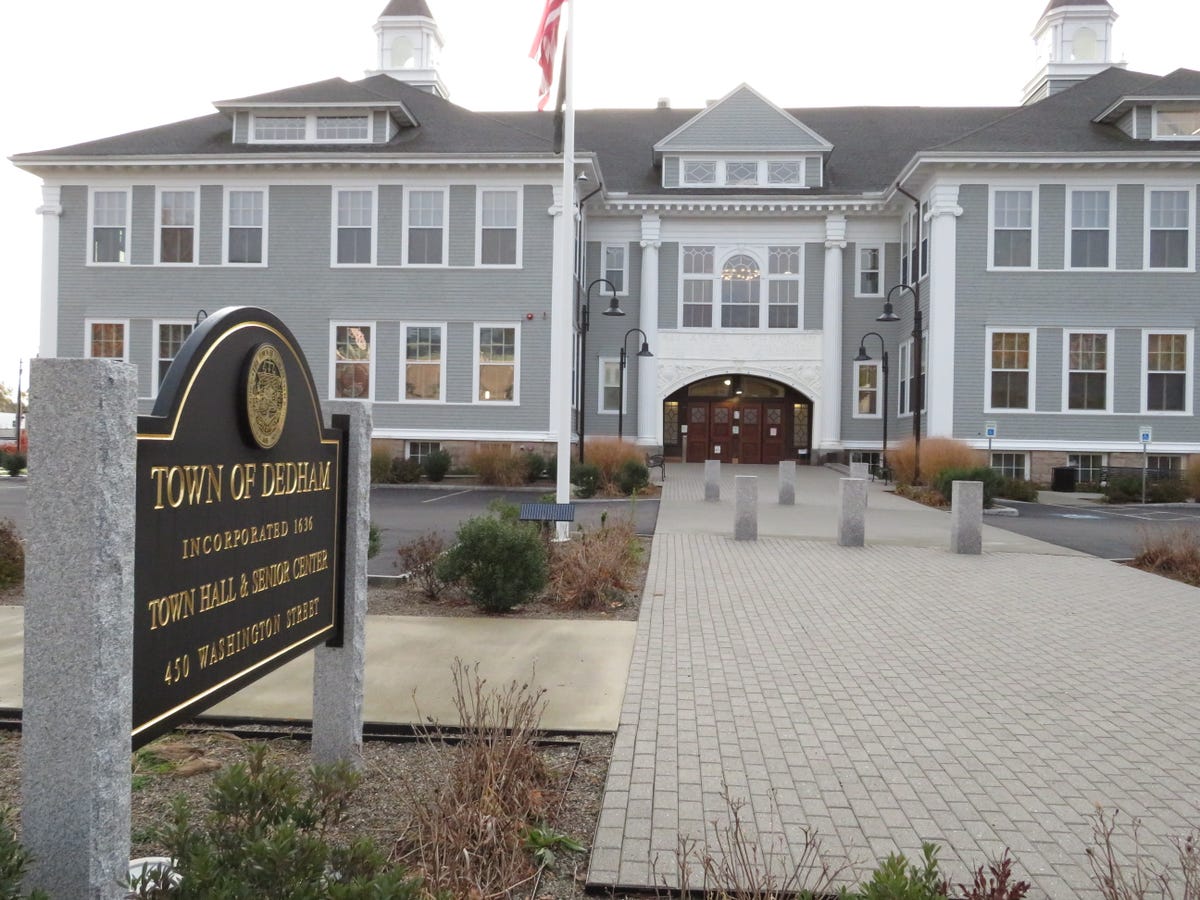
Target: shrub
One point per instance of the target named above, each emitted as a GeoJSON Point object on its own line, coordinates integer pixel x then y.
{"type": "Point", "coordinates": [1017, 489]}
{"type": "Point", "coordinates": [1128, 489]}
{"type": "Point", "coordinates": [608, 455]}
{"type": "Point", "coordinates": [924, 495]}
{"type": "Point", "coordinates": [1174, 554]}
{"type": "Point", "coordinates": [436, 465]}
{"type": "Point", "coordinates": [267, 835]}
{"type": "Point", "coordinates": [419, 558]}
{"type": "Point", "coordinates": [14, 860]}
{"type": "Point", "coordinates": [534, 464]}
{"type": "Point", "coordinates": [586, 478]}
{"type": "Point", "coordinates": [1191, 478]}
{"type": "Point", "coordinates": [496, 465]}
{"type": "Point", "coordinates": [990, 477]}
{"type": "Point", "coordinates": [996, 883]}
{"type": "Point", "coordinates": [1168, 490]}
{"type": "Point", "coordinates": [632, 476]}
{"type": "Point", "coordinates": [405, 471]}
{"type": "Point", "coordinates": [12, 555]}
{"type": "Point", "coordinates": [1123, 489]}
{"type": "Point", "coordinates": [897, 879]}
{"type": "Point", "coordinates": [374, 541]}
{"type": "Point", "coordinates": [595, 567]}
{"type": "Point", "coordinates": [381, 467]}
{"type": "Point", "coordinates": [14, 463]}
{"type": "Point", "coordinates": [937, 455]}
{"type": "Point", "coordinates": [501, 563]}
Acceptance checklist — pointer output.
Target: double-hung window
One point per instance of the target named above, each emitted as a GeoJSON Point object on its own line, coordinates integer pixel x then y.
{"type": "Point", "coordinates": [783, 287]}
{"type": "Point", "coordinates": [870, 269]}
{"type": "Point", "coordinates": [1010, 370]}
{"type": "Point", "coordinates": [246, 215]}
{"type": "Point", "coordinates": [698, 286]}
{"type": "Point", "coordinates": [426, 228]}
{"type": "Point", "coordinates": [1012, 229]}
{"type": "Point", "coordinates": [866, 383]}
{"type": "Point", "coordinates": [1170, 223]}
{"type": "Point", "coordinates": [1091, 229]}
{"type": "Point", "coordinates": [110, 227]}
{"type": "Point", "coordinates": [354, 227]}
{"type": "Point", "coordinates": [106, 340]}
{"type": "Point", "coordinates": [177, 216]}
{"type": "Point", "coordinates": [1089, 371]}
{"type": "Point", "coordinates": [1167, 385]}
{"type": "Point", "coordinates": [169, 340]}
{"type": "Point", "coordinates": [499, 231]}
{"type": "Point", "coordinates": [1010, 465]}
{"type": "Point", "coordinates": [611, 399]}
{"type": "Point", "coordinates": [497, 355]}
{"type": "Point", "coordinates": [615, 270]}
{"type": "Point", "coordinates": [907, 384]}
{"type": "Point", "coordinates": [353, 359]}
{"type": "Point", "coordinates": [424, 363]}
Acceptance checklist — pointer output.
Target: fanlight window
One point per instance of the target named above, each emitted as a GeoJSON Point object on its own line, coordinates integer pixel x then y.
{"type": "Point", "coordinates": [740, 283]}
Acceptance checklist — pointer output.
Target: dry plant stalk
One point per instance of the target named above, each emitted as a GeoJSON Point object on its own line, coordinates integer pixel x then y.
{"type": "Point", "coordinates": [937, 455]}
{"type": "Point", "coordinates": [1174, 553]}
{"type": "Point", "coordinates": [419, 559]}
{"type": "Point", "coordinates": [596, 567]}
{"type": "Point", "coordinates": [608, 455]}
{"type": "Point", "coordinates": [1124, 876]}
{"type": "Point", "coordinates": [735, 866]}
{"type": "Point", "coordinates": [467, 838]}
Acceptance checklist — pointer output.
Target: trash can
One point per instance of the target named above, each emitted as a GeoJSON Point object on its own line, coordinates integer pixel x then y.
{"type": "Point", "coordinates": [1064, 478]}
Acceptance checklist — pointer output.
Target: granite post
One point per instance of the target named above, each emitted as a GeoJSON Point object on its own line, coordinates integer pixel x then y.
{"type": "Point", "coordinates": [78, 677]}
{"type": "Point", "coordinates": [966, 517]}
{"type": "Point", "coordinates": [852, 512]}
{"type": "Point", "coordinates": [745, 510]}
{"type": "Point", "coordinates": [787, 483]}
{"type": "Point", "coordinates": [712, 480]}
{"type": "Point", "coordinates": [339, 673]}
{"type": "Point", "coordinates": [860, 470]}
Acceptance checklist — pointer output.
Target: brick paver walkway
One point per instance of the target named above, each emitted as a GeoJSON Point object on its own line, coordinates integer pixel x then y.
{"type": "Point", "coordinates": [896, 694]}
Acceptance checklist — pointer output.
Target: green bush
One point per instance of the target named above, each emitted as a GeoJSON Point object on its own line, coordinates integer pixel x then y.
{"type": "Point", "coordinates": [14, 463]}
{"type": "Point", "coordinates": [14, 861]}
{"type": "Point", "coordinates": [632, 476]}
{"type": "Point", "coordinates": [267, 835]}
{"type": "Point", "coordinates": [586, 478]}
{"type": "Point", "coordinates": [381, 467]}
{"type": "Point", "coordinates": [991, 479]}
{"type": "Point", "coordinates": [1169, 490]}
{"type": "Point", "coordinates": [535, 465]}
{"type": "Point", "coordinates": [1128, 489]}
{"type": "Point", "coordinates": [1017, 489]}
{"type": "Point", "coordinates": [896, 879]}
{"type": "Point", "coordinates": [500, 563]}
{"type": "Point", "coordinates": [12, 555]}
{"type": "Point", "coordinates": [436, 465]}
{"type": "Point", "coordinates": [405, 471]}
{"type": "Point", "coordinates": [374, 541]}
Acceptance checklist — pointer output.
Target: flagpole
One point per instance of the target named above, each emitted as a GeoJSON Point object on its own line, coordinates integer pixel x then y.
{"type": "Point", "coordinates": [563, 317]}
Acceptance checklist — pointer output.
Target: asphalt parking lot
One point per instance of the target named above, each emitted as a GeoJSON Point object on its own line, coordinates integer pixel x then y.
{"type": "Point", "coordinates": [1110, 532]}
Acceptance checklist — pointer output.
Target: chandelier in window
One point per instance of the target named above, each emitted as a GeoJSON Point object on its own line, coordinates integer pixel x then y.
{"type": "Point", "coordinates": [740, 268]}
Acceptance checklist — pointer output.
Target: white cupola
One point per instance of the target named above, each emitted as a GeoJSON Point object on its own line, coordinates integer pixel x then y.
{"type": "Point", "coordinates": [1074, 42]}
{"type": "Point", "coordinates": [410, 46]}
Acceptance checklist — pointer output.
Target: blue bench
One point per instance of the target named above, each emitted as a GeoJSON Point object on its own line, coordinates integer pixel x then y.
{"type": "Point", "coordinates": [547, 512]}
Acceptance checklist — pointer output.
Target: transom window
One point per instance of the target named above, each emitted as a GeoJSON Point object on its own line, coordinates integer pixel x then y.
{"type": "Point", "coordinates": [177, 227]}
{"type": "Point", "coordinates": [1009, 367]}
{"type": "Point", "coordinates": [247, 221]}
{"type": "Point", "coordinates": [499, 213]}
{"type": "Point", "coordinates": [784, 171]}
{"type": "Point", "coordinates": [1012, 229]}
{"type": "Point", "coordinates": [353, 357]}
{"type": "Point", "coordinates": [496, 368]}
{"type": "Point", "coordinates": [355, 226]}
{"type": "Point", "coordinates": [1179, 124]}
{"type": "Point", "coordinates": [426, 228]}
{"type": "Point", "coordinates": [1170, 230]}
{"type": "Point", "coordinates": [311, 128]}
{"type": "Point", "coordinates": [1167, 359]}
{"type": "Point", "coordinates": [171, 337]}
{"type": "Point", "coordinates": [1087, 371]}
{"type": "Point", "coordinates": [742, 172]}
{"type": "Point", "coordinates": [1090, 229]}
{"type": "Point", "coordinates": [423, 362]}
{"type": "Point", "coordinates": [110, 226]}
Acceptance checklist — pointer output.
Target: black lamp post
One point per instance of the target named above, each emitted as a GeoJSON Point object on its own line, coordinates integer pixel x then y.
{"type": "Point", "coordinates": [645, 351]}
{"type": "Point", "coordinates": [585, 323]}
{"type": "Point", "coordinates": [863, 357]}
{"type": "Point", "coordinates": [918, 392]}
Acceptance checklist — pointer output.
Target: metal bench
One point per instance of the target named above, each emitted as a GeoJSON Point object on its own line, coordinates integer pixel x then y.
{"type": "Point", "coordinates": [547, 512]}
{"type": "Point", "coordinates": [656, 461]}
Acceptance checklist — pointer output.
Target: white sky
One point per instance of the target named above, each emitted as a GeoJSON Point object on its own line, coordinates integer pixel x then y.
{"type": "Point", "coordinates": [76, 70]}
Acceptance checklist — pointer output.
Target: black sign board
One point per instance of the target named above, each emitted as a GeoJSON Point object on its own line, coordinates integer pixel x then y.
{"type": "Point", "coordinates": [240, 520]}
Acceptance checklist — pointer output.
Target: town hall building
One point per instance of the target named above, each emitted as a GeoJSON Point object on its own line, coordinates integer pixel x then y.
{"type": "Point", "coordinates": [408, 243]}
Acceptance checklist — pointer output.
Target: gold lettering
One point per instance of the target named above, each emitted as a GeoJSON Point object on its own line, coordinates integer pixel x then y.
{"type": "Point", "coordinates": [171, 608]}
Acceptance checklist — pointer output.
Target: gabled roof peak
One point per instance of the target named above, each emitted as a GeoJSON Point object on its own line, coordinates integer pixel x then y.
{"type": "Point", "coordinates": [407, 8]}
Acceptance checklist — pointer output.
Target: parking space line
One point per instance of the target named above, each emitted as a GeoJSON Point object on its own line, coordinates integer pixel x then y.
{"type": "Point", "coordinates": [445, 496]}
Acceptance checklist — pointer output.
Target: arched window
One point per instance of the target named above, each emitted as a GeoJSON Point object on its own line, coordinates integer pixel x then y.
{"type": "Point", "coordinates": [403, 55]}
{"type": "Point", "coordinates": [741, 281]}
{"type": "Point", "coordinates": [1083, 45]}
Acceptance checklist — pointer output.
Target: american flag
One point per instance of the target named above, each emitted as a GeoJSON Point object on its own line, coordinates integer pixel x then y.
{"type": "Point", "coordinates": [545, 44]}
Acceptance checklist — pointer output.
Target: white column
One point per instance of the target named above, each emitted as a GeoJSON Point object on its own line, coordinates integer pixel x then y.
{"type": "Point", "coordinates": [939, 352]}
{"type": "Point", "coordinates": [50, 211]}
{"type": "Point", "coordinates": [831, 339]}
{"type": "Point", "coordinates": [649, 403]}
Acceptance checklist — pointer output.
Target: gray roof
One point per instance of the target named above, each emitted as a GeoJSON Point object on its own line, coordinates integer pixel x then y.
{"type": "Point", "coordinates": [871, 145]}
{"type": "Point", "coordinates": [1055, 4]}
{"type": "Point", "coordinates": [407, 8]}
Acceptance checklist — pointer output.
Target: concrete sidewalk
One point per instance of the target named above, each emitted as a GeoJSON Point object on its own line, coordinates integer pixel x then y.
{"type": "Point", "coordinates": [896, 693]}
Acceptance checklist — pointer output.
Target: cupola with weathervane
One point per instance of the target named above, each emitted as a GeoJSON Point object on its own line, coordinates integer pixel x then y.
{"type": "Point", "coordinates": [1074, 40]}
{"type": "Point", "coordinates": [409, 46]}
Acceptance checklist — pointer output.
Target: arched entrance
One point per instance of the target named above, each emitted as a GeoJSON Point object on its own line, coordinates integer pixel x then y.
{"type": "Point", "coordinates": [737, 419]}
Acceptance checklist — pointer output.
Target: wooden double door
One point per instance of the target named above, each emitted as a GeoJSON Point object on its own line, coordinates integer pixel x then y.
{"type": "Point", "coordinates": [737, 431]}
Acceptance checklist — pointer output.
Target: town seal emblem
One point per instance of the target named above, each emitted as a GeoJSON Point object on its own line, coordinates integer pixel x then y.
{"type": "Point", "coordinates": [266, 395]}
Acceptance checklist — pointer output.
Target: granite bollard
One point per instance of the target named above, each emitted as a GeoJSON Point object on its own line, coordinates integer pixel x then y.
{"type": "Point", "coordinates": [966, 517]}
{"type": "Point", "coordinates": [852, 512]}
{"type": "Point", "coordinates": [712, 480]}
{"type": "Point", "coordinates": [79, 614]}
{"type": "Point", "coordinates": [860, 470]}
{"type": "Point", "coordinates": [787, 482]}
{"type": "Point", "coordinates": [745, 515]}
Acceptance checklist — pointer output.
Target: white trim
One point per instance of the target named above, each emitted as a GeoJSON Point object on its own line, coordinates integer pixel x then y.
{"type": "Point", "coordinates": [337, 189]}
{"type": "Point", "coordinates": [1033, 231]}
{"type": "Point", "coordinates": [760, 252]}
{"type": "Point", "coordinates": [51, 212]}
{"type": "Point", "coordinates": [441, 400]}
{"type": "Point", "coordinates": [159, 190]}
{"type": "Point", "coordinates": [91, 210]}
{"type": "Point", "coordinates": [480, 190]}
{"type": "Point", "coordinates": [310, 127]}
{"type": "Point", "coordinates": [604, 270]}
{"type": "Point", "coordinates": [880, 247]}
{"type": "Point", "coordinates": [604, 361]}
{"type": "Point", "coordinates": [987, 375]}
{"type": "Point", "coordinates": [409, 190]}
{"type": "Point", "coordinates": [855, 388]}
{"type": "Point", "coordinates": [1072, 190]}
{"type": "Point", "coordinates": [226, 219]}
{"type": "Point", "coordinates": [1188, 377]}
{"type": "Point", "coordinates": [334, 324]}
{"type": "Point", "coordinates": [1110, 370]}
{"type": "Point", "coordinates": [1148, 192]}
{"type": "Point", "coordinates": [516, 400]}
{"type": "Point", "coordinates": [87, 336]}
{"type": "Point", "coordinates": [1130, 446]}
{"type": "Point", "coordinates": [155, 359]}
{"type": "Point", "coordinates": [1024, 453]}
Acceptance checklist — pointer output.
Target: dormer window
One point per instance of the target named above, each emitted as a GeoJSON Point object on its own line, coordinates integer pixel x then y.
{"type": "Point", "coordinates": [1177, 123]}
{"type": "Point", "coordinates": [784, 171]}
{"type": "Point", "coordinates": [279, 128]}
{"type": "Point", "coordinates": [700, 171]}
{"type": "Point", "coordinates": [754, 173]}
{"type": "Point", "coordinates": [311, 129]}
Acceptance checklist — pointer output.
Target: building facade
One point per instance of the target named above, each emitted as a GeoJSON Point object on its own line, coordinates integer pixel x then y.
{"type": "Point", "coordinates": [409, 244]}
